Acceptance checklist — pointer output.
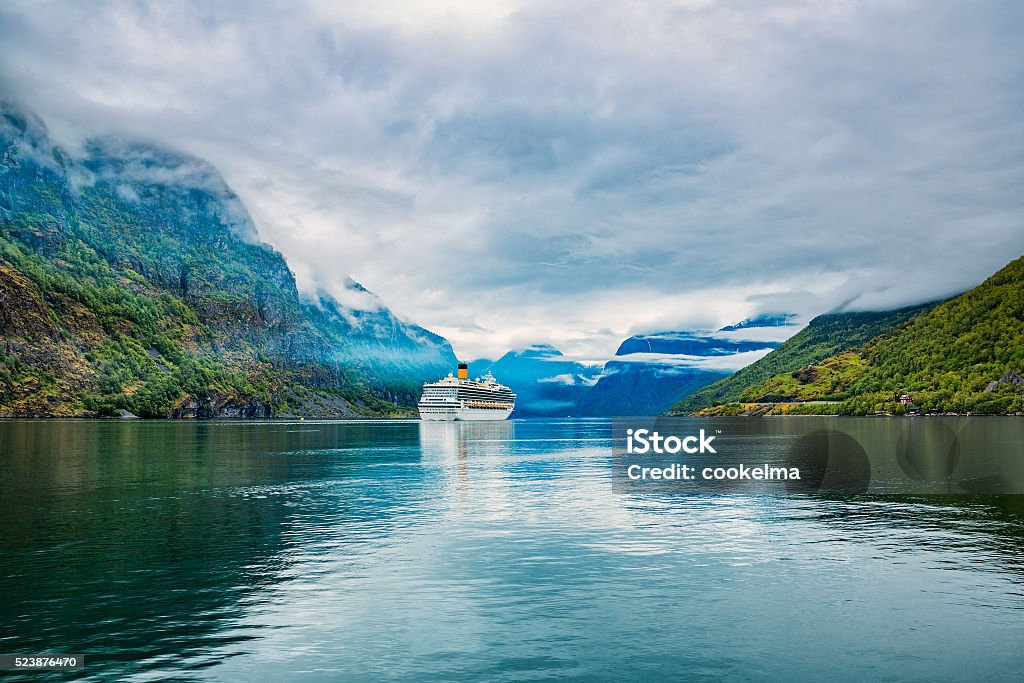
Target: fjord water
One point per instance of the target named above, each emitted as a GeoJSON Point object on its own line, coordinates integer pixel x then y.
{"type": "Point", "coordinates": [469, 551]}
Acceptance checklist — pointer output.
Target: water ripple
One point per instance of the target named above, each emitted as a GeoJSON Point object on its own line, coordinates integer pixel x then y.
{"type": "Point", "coordinates": [465, 552]}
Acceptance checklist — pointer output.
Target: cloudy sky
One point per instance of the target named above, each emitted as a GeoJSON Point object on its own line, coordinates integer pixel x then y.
{"type": "Point", "coordinates": [510, 172]}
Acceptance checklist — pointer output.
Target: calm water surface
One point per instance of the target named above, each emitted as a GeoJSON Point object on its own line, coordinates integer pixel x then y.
{"type": "Point", "coordinates": [400, 550]}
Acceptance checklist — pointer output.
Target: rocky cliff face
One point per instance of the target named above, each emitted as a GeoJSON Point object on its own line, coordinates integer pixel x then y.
{"type": "Point", "coordinates": [214, 405]}
{"type": "Point", "coordinates": [133, 279]}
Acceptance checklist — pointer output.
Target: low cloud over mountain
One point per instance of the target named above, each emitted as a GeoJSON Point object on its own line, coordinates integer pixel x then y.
{"type": "Point", "coordinates": [573, 173]}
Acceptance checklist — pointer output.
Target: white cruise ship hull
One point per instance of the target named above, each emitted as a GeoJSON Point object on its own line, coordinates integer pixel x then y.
{"type": "Point", "coordinates": [458, 398]}
{"type": "Point", "coordinates": [452, 414]}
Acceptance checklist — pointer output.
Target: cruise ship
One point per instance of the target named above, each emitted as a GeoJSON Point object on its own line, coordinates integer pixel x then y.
{"type": "Point", "coordinates": [460, 398]}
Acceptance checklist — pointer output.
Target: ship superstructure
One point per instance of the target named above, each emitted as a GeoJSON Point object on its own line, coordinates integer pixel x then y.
{"type": "Point", "coordinates": [460, 398]}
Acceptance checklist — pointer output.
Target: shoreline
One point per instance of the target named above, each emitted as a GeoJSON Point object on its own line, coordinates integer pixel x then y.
{"type": "Point", "coordinates": [412, 418]}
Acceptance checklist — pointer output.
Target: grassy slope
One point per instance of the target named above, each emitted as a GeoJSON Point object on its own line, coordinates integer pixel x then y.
{"type": "Point", "coordinates": [945, 358]}
{"type": "Point", "coordinates": [824, 336]}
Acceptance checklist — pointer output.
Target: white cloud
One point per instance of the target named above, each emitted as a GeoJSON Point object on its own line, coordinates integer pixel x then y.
{"type": "Point", "coordinates": [761, 334]}
{"type": "Point", "coordinates": [729, 363]}
{"type": "Point", "coordinates": [566, 379]}
{"type": "Point", "coordinates": [519, 172]}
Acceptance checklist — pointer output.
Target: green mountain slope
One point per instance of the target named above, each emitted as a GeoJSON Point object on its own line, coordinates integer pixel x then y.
{"type": "Point", "coordinates": [965, 355]}
{"type": "Point", "coordinates": [132, 278]}
{"type": "Point", "coordinates": [824, 336]}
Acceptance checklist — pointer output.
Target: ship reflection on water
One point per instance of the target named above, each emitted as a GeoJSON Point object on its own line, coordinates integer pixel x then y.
{"type": "Point", "coordinates": [450, 444]}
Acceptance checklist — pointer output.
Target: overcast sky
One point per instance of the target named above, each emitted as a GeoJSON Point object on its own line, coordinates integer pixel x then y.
{"type": "Point", "coordinates": [509, 173]}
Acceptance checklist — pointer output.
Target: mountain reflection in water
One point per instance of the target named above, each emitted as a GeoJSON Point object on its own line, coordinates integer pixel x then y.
{"type": "Point", "coordinates": [461, 551]}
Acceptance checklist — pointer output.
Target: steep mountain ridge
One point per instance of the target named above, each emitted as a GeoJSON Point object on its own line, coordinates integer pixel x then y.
{"type": "Point", "coordinates": [373, 340]}
{"type": "Point", "coordinates": [133, 279]}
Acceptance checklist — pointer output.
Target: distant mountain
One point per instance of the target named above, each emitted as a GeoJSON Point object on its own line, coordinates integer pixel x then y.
{"type": "Point", "coordinates": [650, 372]}
{"type": "Point", "coordinates": [635, 388]}
{"type": "Point", "coordinates": [764, 320]}
{"type": "Point", "coordinates": [132, 278]}
{"type": "Point", "coordinates": [399, 355]}
{"type": "Point", "coordinates": [545, 381]}
{"type": "Point", "coordinates": [691, 344]}
{"type": "Point", "coordinates": [824, 335]}
{"type": "Point", "coordinates": [647, 374]}
{"type": "Point", "coordinates": [479, 367]}
{"type": "Point", "coordinates": [964, 355]}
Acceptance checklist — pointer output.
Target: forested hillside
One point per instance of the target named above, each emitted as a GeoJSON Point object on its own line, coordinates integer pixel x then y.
{"type": "Point", "coordinates": [132, 279]}
{"type": "Point", "coordinates": [965, 355]}
{"type": "Point", "coordinates": [824, 336]}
